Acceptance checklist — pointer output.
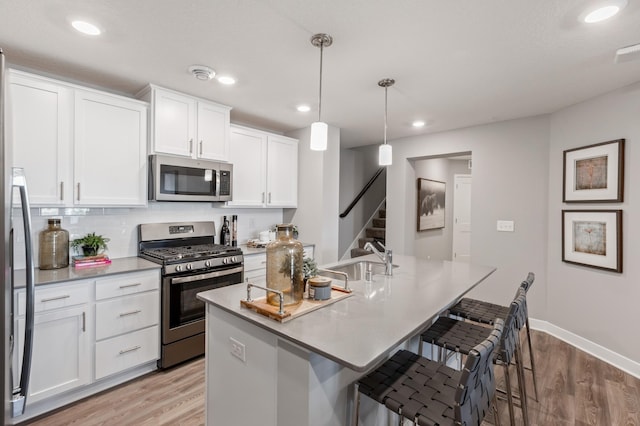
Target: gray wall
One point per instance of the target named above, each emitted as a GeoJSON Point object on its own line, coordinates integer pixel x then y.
{"type": "Point", "coordinates": [510, 175]}
{"type": "Point", "coordinates": [597, 305]}
{"type": "Point", "coordinates": [357, 166]}
{"type": "Point", "coordinates": [437, 243]}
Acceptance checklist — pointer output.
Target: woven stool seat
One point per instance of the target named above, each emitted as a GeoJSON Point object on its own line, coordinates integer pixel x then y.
{"type": "Point", "coordinates": [430, 393]}
{"type": "Point", "coordinates": [479, 311]}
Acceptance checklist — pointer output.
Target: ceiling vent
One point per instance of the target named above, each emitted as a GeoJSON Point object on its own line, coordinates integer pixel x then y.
{"type": "Point", "coordinates": [628, 54]}
{"type": "Point", "coordinates": [202, 72]}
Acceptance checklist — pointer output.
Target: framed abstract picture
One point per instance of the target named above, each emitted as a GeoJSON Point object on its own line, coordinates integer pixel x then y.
{"type": "Point", "coordinates": [593, 238]}
{"type": "Point", "coordinates": [431, 204]}
{"type": "Point", "coordinates": [594, 173]}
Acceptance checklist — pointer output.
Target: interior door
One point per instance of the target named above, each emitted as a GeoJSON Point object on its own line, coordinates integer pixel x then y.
{"type": "Point", "coordinates": [461, 219]}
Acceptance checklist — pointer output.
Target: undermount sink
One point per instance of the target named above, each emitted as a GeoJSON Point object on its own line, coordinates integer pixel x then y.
{"type": "Point", "coordinates": [356, 270]}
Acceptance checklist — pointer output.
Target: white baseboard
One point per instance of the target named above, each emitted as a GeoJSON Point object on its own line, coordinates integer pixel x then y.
{"type": "Point", "coordinates": [623, 363]}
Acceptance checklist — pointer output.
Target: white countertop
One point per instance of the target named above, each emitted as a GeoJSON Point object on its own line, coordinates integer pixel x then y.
{"type": "Point", "coordinates": [117, 266]}
{"type": "Point", "coordinates": [359, 331]}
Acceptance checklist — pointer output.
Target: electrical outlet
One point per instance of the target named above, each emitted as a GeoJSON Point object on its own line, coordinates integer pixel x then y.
{"type": "Point", "coordinates": [505, 226]}
{"type": "Point", "coordinates": [237, 349]}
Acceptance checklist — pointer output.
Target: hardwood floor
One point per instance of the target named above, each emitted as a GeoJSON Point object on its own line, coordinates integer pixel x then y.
{"type": "Point", "coordinates": [574, 389]}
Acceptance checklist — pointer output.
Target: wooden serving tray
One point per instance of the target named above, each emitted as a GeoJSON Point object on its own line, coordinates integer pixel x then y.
{"type": "Point", "coordinates": [261, 305]}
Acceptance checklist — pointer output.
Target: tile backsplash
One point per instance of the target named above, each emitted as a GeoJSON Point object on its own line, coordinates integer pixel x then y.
{"type": "Point", "coordinates": [121, 225]}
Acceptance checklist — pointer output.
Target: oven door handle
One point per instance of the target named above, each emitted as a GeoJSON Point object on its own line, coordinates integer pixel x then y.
{"type": "Point", "coordinates": [191, 278]}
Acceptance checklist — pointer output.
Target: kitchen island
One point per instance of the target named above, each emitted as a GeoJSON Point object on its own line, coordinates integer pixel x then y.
{"type": "Point", "coordinates": [261, 371]}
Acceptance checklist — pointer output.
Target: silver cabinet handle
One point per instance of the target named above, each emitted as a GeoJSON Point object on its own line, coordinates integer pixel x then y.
{"type": "Point", "coordinates": [51, 299]}
{"type": "Point", "coordinates": [190, 146]}
{"type": "Point", "coordinates": [84, 322]}
{"type": "Point", "coordinates": [135, 348]}
{"type": "Point", "coordinates": [200, 148]}
{"type": "Point", "coordinates": [78, 191]}
{"type": "Point", "coordinates": [269, 198]}
{"type": "Point", "coordinates": [61, 191]}
{"type": "Point", "coordinates": [130, 285]}
{"type": "Point", "coordinates": [263, 197]}
{"type": "Point", "coordinates": [126, 314]}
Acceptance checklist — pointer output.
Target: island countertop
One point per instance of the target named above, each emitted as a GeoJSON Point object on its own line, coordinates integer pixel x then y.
{"type": "Point", "coordinates": [359, 331]}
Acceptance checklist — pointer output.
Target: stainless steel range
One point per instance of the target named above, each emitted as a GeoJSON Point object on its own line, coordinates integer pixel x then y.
{"type": "Point", "coordinates": [191, 263]}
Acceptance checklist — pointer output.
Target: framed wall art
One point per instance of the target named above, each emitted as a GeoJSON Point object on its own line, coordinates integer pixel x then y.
{"type": "Point", "coordinates": [594, 173]}
{"type": "Point", "coordinates": [431, 204]}
{"type": "Point", "coordinates": [593, 238]}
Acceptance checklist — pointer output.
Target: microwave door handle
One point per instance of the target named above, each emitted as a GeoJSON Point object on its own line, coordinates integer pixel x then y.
{"type": "Point", "coordinates": [19, 400]}
{"type": "Point", "coordinates": [217, 191]}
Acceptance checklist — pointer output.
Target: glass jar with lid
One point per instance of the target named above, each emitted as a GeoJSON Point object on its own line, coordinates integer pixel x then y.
{"type": "Point", "coordinates": [284, 267]}
{"type": "Point", "coordinates": [54, 246]}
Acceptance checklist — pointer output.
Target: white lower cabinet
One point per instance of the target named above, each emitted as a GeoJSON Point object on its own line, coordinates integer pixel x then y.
{"type": "Point", "coordinates": [61, 344]}
{"type": "Point", "coordinates": [86, 331]}
{"type": "Point", "coordinates": [126, 351]}
{"type": "Point", "coordinates": [127, 319]}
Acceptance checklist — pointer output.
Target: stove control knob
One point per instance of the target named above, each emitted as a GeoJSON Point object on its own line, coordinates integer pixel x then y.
{"type": "Point", "coordinates": [234, 259]}
{"type": "Point", "coordinates": [207, 263]}
{"type": "Point", "coordinates": [179, 268]}
{"type": "Point", "coordinates": [189, 267]}
{"type": "Point", "coordinates": [225, 261]}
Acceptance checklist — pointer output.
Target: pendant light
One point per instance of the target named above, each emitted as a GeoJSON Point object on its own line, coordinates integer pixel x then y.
{"type": "Point", "coordinates": [319, 129]}
{"type": "Point", "coordinates": [384, 153]}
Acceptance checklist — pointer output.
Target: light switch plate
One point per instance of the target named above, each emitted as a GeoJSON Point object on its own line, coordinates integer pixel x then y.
{"type": "Point", "coordinates": [505, 226]}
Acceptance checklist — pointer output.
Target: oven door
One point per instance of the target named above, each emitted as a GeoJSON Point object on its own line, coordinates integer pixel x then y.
{"type": "Point", "coordinates": [182, 312]}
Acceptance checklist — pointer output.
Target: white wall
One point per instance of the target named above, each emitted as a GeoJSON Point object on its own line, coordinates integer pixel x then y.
{"type": "Point", "coordinates": [597, 305]}
{"type": "Point", "coordinates": [510, 169]}
{"type": "Point", "coordinates": [120, 225]}
{"type": "Point", "coordinates": [318, 188]}
{"type": "Point", "coordinates": [437, 243]}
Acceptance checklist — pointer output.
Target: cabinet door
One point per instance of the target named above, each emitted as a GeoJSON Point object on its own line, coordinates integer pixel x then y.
{"type": "Point", "coordinates": [248, 153]}
{"type": "Point", "coordinates": [282, 172]}
{"type": "Point", "coordinates": [213, 132]}
{"type": "Point", "coordinates": [110, 154]}
{"type": "Point", "coordinates": [40, 135]}
{"type": "Point", "coordinates": [174, 122]}
{"type": "Point", "coordinates": [60, 352]}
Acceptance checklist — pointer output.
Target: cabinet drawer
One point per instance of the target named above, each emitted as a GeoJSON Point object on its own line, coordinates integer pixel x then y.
{"type": "Point", "coordinates": [125, 314]}
{"type": "Point", "coordinates": [123, 352]}
{"type": "Point", "coordinates": [49, 298]}
{"type": "Point", "coordinates": [255, 261]}
{"type": "Point", "coordinates": [123, 284]}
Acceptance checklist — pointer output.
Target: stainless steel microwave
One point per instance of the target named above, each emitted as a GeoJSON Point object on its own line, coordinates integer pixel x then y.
{"type": "Point", "coordinates": [188, 179]}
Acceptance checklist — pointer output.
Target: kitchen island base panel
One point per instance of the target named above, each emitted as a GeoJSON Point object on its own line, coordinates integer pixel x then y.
{"type": "Point", "coordinates": [279, 383]}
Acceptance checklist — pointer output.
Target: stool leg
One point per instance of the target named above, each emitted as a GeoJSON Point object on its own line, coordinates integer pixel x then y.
{"type": "Point", "coordinates": [521, 383]}
{"type": "Point", "coordinates": [356, 403]}
{"type": "Point", "coordinates": [533, 366]}
{"type": "Point", "coordinates": [507, 379]}
{"type": "Point", "coordinates": [496, 415]}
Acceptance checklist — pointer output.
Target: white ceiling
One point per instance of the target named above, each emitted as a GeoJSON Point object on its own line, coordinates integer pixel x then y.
{"type": "Point", "coordinates": [456, 63]}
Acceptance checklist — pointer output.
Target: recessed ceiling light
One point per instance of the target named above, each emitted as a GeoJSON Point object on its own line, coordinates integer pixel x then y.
{"type": "Point", "coordinates": [226, 80]}
{"type": "Point", "coordinates": [603, 12]}
{"type": "Point", "coordinates": [85, 27]}
{"type": "Point", "coordinates": [418, 123]}
{"type": "Point", "coordinates": [303, 108]}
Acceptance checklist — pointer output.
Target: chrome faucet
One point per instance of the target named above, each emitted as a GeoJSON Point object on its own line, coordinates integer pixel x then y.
{"type": "Point", "coordinates": [386, 257]}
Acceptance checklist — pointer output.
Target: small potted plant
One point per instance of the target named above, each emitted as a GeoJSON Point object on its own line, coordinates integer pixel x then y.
{"type": "Point", "coordinates": [91, 244]}
{"type": "Point", "coordinates": [309, 268]}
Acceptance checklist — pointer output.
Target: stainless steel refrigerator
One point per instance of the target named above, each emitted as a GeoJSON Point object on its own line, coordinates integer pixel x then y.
{"type": "Point", "coordinates": [13, 186]}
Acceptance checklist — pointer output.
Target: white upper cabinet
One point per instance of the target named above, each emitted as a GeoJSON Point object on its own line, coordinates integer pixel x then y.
{"type": "Point", "coordinates": [265, 169]}
{"type": "Point", "coordinates": [110, 156]}
{"type": "Point", "coordinates": [39, 116]}
{"type": "Point", "coordinates": [79, 147]}
{"type": "Point", "coordinates": [187, 126]}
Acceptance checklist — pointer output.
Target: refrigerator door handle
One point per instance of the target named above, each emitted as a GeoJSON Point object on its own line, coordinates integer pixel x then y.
{"type": "Point", "coordinates": [20, 394]}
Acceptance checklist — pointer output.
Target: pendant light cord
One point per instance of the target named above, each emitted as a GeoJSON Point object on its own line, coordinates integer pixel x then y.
{"type": "Point", "coordinates": [385, 115]}
{"type": "Point", "coordinates": [320, 91]}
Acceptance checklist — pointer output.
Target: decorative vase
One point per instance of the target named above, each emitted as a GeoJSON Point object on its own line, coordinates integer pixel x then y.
{"type": "Point", "coordinates": [54, 246]}
{"type": "Point", "coordinates": [284, 267]}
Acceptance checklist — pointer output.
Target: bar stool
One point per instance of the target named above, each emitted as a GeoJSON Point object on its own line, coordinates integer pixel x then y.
{"type": "Point", "coordinates": [430, 393]}
{"type": "Point", "coordinates": [450, 334]}
{"type": "Point", "coordinates": [485, 312]}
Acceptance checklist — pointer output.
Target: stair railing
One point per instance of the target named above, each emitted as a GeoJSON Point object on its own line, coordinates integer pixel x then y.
{"type": "Point", "coordinates": [361, 193]}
